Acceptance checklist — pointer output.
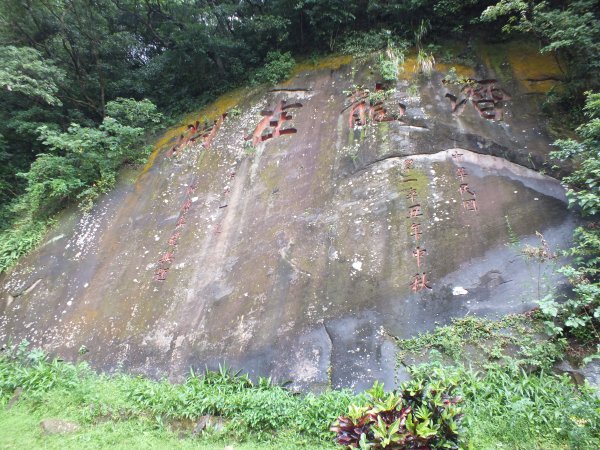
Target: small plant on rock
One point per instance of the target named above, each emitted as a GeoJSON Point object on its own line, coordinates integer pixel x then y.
{"type": "Point", "coordinates": [390, 63]}
{"type": "Point", "coordinates": [425, 60]}
{"type": "Point", "coordinates": [540, 254]}
{"type": "Point", "coordinates": [423, 415]}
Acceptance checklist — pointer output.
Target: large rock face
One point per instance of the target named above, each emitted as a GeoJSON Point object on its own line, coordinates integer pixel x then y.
{"type": "Point", "coordinates": [299, 254]}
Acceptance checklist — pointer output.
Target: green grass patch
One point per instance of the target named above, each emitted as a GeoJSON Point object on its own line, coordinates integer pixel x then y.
{"type": "Point", "coordinates": [125, 411]}
{"type": "Point", "coordinates": [508, 408]}
{"type": "Point", "coordinates": [504, 406]}
{"type": "Point", "coordinates": [512, 399]}
{"type": "Point", "coordinates": [518, 338]}
{"type": "Point", "coordinates": [20, 240]}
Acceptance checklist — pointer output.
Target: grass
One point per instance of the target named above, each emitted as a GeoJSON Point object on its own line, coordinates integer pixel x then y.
{"type": "Point", "coordinates": [20, 240]}
{"type": "Point", "coordinates": [512, 402]}
{"type": "Point", "coordinates": [508, 408]}
{"type": "Point", "coordinates": [19, 429]}
{"type": "Point", "coordinates": [123, 411]}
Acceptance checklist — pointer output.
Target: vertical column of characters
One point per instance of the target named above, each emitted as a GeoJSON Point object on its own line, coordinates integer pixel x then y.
{"type": "Point", "coordinates": [165, 261]}
{"type": "Point", "coordinates": [467, 194]}
{"type": "Point", "coordinates": [207, 134]}
{"type": "Point", "coordinates": [415, 215]}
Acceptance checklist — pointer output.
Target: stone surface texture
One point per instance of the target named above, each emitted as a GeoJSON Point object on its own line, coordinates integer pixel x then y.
{"type": "Point", "coordinates": [297, 258]}
{"type": "Point", "coordinates": [58, 426]}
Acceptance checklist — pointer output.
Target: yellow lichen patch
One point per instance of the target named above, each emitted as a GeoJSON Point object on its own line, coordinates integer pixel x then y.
{"type": "Point", "coordinates": [462, 71]}
{"type": "Point", "coordinates": [535, 66]}
{"type": "Point", "coordinates": [208, 113]}
{"type": "Point", "coordinates": [410, 67]}
{"type": "Point", "coordinates": [328, 62]}
{"type": "Point", "coordinates": [537, 72]}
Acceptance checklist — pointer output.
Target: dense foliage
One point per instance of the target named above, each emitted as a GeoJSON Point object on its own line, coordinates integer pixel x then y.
{"type": "Point", "coordinates": [525, 346]}
{"type": "Point", "coordinates": [580, 313]}
{"type": "Point", "coordinates": [258, 412]}
{"type": "Point", "coordinates": [571, 29]}
{"type": "Point", "coordinates": [507, 407]}
{"type": "Point", "coordinates": [76, 166]}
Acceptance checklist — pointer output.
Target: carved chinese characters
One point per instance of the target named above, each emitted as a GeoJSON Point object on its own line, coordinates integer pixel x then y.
{"type": "Point", "coordinates": [467, 194]}
{"type": "Point", "coordinates": [363, 108]}
{"type": "Point", "coordinates": [194, 132]}
{"type": "Point", "coordinates": [419, 254]}
{"type": "Point", "coordinates": [415, 231]}
{"type": "Point", "coordinates": [414, 213]}
{"type": "Point", "coordinates": [419, 282]}
{"type": "Point", "coordinates": [485, 96]}
{"type": "Point", "coordinates": [166, 259]}
{"type": "Point", "coordinates": [271, 126]}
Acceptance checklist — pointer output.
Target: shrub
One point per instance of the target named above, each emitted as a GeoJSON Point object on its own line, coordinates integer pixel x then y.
{"type": "Point", "coordinates": [506, 407]}
{"type": "Point", "coordinates": [424, 414]}
{"type": "Point", "coordinates": [278, 67]}
{"type": "Point", "coordinates": [77, 166]}
{"type": "Point", "coordinates": [133, 113]}
{"type": "Point", "coordinates": [80, 164]}
{"type": "Point", "coordinates": [581, 314]}
{"type": "Point", "coordinates": [363, 43]}
{"type": "Point", "coordinates": [425, 62]}
{"type": "Point", "coordinates": [388, 69]}
{"type": "Point", "coordinates": [390, 62]}
{"type": "Point", "coordinates": [18, 240]}
{"type": "Point", "coordinates": [584, 182]}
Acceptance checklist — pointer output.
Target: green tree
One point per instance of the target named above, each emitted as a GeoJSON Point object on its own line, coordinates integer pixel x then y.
{"type": "Point", "coordinates": [329, 18]}
{"type": "Point", "coordinates": [23, 70]}
{"type": "Point", "coordinates": [80, 164]}
{"type": "Point", "coordinates": [581, 313]}
{"type": "Point", "coordinates": [140, 114]}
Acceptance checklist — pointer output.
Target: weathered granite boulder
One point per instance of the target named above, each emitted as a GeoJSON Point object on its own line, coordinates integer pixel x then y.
{"type": "Point", "coordinates": [294, 239]}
